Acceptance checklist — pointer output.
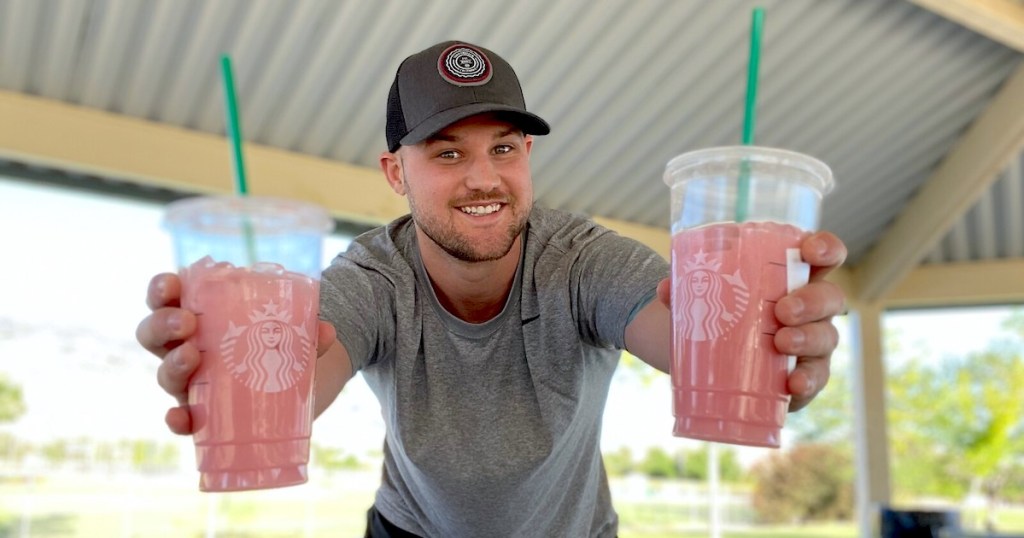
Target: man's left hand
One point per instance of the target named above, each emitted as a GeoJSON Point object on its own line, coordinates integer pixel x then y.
{"type": "Point", "coordinates": [806, 315]}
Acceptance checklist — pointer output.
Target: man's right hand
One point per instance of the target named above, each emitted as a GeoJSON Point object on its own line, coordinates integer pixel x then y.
{"type": "Point", "coordinates": [163, 333]}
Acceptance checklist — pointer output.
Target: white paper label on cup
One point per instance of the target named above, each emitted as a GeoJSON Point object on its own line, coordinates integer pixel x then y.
{"type": "Point", "coordinates": [797, 274]}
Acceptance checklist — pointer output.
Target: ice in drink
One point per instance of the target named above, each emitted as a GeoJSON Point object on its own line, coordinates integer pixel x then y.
{"type": "Point", "coordinates": [738, 216]}
{"type": "Point", "coordinates": [250, 271]}
{"type": "Point", "coordinates": [728, 378]}
{"type": "Point", "coordinates": [251, 399]}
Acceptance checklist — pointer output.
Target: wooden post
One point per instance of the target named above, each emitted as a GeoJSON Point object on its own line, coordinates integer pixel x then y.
{"type": "Point", "coordinates": [871, 437]}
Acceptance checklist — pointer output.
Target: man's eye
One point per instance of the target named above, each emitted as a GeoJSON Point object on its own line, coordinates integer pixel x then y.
{"type": "Point", "coordinates": [449, 154]}
{"type": "Point", "coordinates": [505, 148]}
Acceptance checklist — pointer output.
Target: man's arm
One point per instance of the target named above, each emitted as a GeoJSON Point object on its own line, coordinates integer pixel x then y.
{"type": "Point", "coordinates": [333, 370]}
{"type": "Point", "coordinates": [806, 316]}
{"type": "Point", "coordinates": [649, 335]}
{"type": "Point", "coordinates": [164, 333]}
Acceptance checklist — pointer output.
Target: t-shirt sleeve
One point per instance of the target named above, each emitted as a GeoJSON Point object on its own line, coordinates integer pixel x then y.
{"type": "Point", "coordinates": [360, 303]}
{"type": "Point", "coordinates": [612, 279]}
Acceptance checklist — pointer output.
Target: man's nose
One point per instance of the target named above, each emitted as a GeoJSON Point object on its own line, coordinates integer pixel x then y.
{"type": "Point", "coordinates": [482, 175]}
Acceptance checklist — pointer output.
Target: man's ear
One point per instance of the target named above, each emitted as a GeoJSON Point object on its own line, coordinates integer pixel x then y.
{"type": "Point", "coordinates": [391, 165]}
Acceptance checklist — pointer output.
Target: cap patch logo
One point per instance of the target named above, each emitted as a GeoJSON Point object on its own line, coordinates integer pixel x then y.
{"type": "Point", "coordinates": [463, 65]}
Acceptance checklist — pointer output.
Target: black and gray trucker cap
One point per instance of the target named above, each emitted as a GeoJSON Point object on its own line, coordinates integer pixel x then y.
{"type": "Point", "coordinates": [448, 82]}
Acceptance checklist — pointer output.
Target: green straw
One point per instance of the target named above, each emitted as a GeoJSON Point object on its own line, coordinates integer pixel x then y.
{"type": "Point", "coordinates": [234, 128]}
{"type": "Point", "coordinates": [750, 111]}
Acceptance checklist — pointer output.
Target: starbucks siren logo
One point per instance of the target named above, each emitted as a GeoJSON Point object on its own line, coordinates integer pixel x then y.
{"type": "Point", "coordinates": [263, 355]}
{"type": "Point", "coordinates": [714, 302]}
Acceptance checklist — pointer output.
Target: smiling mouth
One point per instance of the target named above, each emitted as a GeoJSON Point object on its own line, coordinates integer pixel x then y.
{"type": "Point", "coordinates": [480, 209]}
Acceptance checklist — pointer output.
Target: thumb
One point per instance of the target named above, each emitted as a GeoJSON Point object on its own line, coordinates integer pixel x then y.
{"type": "Point", "coordinates": [665, 292]}
{"type": "Point", "coordinates": [325, 337]}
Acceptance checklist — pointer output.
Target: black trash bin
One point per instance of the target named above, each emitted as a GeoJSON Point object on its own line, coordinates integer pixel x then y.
{"type": "Point", "coordinates": [920, 524]}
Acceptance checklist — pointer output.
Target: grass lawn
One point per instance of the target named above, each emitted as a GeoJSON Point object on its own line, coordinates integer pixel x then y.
{"type": "Point", "coordinates": [816, 531]}
{"type": "Point", "coordinates": [97, 505]}
{"type": "Point", "coordinates": [69, 505]}
{"type": "Point", "coordinates": [672, 521]}
{"type": "Point", "coordinates": [89, 507]}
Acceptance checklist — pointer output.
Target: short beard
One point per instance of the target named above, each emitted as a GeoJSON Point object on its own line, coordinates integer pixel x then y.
{"type": "Point", "coordinates": [462, 249]}
{"type": "Point", "coordinates": [458, 246]}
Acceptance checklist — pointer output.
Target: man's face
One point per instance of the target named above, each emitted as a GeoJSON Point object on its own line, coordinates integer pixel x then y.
{"type": "Point", "coordinates": [469, 186]}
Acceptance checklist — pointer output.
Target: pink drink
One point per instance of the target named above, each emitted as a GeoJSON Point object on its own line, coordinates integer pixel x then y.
{"type": "Point", "coordinates": [728, 380]}
{"type": "Point", "coordinates": [251, 399]}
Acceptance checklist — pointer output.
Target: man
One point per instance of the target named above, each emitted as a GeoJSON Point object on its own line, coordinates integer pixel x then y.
{"type": "Point", "coordinates": [495, 326]}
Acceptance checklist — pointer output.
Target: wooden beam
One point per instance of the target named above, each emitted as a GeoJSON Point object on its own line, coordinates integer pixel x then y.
{"type": "Point", "coordinates": [54, 134]}
{"type": "Point", "coordinates": [999, 20]}
{"type": "Point", "coordinates": [961, 284]}
{"type": "Point", "coordinates": [971, 167]}
{"type": "Point", "coordinates": [843, 277]}
{"type": "Point", "coordinates": [656, 238]}
{"type": "Point", "coordinates": [79, 139]}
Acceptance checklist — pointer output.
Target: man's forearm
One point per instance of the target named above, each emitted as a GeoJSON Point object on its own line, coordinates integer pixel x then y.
{"type": "Point", "coordinates": [649, 335]}
{"type": "Point", "coordinates": [333, 370]}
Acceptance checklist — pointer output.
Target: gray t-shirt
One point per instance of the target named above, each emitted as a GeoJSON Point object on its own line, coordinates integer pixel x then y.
{"type": "Point", "coordinates": [493, 429]}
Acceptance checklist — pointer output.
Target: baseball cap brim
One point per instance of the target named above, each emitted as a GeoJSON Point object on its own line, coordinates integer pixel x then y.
{"type": "Point", "coordinates": [530, 123]}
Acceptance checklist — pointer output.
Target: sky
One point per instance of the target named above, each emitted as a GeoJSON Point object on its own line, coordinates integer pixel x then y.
{"type": "Point", "coordinates": [80, 263]}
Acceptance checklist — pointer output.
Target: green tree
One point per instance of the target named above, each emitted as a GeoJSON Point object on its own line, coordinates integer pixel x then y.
{"type": "Point", "coordinates": [634, 368]}
{"type": "Point", "coordinates": [1015, 322]}
{"type": "Point", "coordinates": [56, 452]}
{"type": "Point", "coordinates": [958, 421]}
{"type": "Point", "coordinates": [150, 456]}
{"type": "Point", "coordinates": [987, 393]}
{"type": "Point", "coordinates": [333, 459]}
{"type": "Point", "coordinates": [809, 482]}
{"type": "Point", "coordinates": [13, 450]}
{"type": "Point", "coordinates": [12, 400]}
{"type": "Point", "coordinates": [695, 464]}
{"type": "Point", "coordinates": [106, 455]}
{"type": "Point", "coordinates": [659, 464]}
{"type": "Point", "coordinates": [1013, 482]}
{"type": "Point", "coordinates": [829, 419]}
{"type": "Point", "coordinates": [619, 462]}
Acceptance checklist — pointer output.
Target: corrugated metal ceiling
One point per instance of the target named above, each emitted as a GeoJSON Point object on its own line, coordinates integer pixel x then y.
{"type": "Point", "coordinates": [879, 89]}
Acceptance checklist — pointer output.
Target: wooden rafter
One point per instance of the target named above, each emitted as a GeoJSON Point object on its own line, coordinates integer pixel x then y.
{"type": "Point", "coordinates": [971, 167]}
{"type": "Point", "coordinates": [999, 20]}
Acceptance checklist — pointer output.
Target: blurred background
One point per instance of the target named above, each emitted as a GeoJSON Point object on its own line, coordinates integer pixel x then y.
{"type": "Point", "coordinates": [109, 109]}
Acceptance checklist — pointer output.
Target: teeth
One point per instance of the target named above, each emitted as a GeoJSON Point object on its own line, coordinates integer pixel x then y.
{"type": "Point", "coordinates": [481, 209]}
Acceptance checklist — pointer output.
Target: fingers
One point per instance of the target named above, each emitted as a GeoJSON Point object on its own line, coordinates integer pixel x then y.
{"type": "Point", "coordinates": [813, 344]}
{"type": "Point", "coordinates": [162, 334]}
{"type": "Point", "coordinates": [816, 339]}
{"type": "Point", "coordinates": [164, 329]}
{"type": "Point", "coordinates": [325, 337]}
{"type": "Point", "coordinates": [824, 252]}
{"type": "Point", "coordinates": [164, 290]}
{"type": "Point", "coordinates": [816, 301]}
{"type": "Point", "coordinates": [168, 325]}
{"type": "Point", "coordinates": [808, 379]}
{"type": "Point", "coordinates": [179, 420]}
{"type": "Point", "coordinates": [177, 367]}
{"type": "Point", "coordinates": [665, 292]}
{"type": "Point", "coordinates": [173, 375]}
{"type": "Point", "coordinates": [806, 314]}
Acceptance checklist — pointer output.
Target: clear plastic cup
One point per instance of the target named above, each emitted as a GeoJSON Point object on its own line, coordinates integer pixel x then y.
{"type": "Point", "coordinates": [738, 217]}
{"type": "Point", "coordinates": [250, 271]}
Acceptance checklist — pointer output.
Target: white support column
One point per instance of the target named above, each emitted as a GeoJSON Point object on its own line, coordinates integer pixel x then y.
{"type": "Point", "coordinates": [872, 441]}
